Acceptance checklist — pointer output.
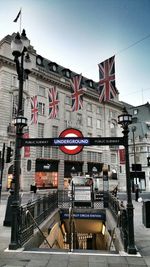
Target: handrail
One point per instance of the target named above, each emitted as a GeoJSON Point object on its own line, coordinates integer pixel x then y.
{"type": "Point", "coordinates": [28, 212]}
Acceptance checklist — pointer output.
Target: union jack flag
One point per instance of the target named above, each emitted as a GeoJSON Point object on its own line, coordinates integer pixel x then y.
{"type": "Point", "coordinates": [34, 110]}
{"type": "Point", "coordinates": [53, 102]}
{"type": "Point", "coordinates": [77, 93]}
{"type": "Point", "coordinates": [107, 85]}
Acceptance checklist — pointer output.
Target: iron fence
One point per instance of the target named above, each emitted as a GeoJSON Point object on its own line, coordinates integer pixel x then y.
{"type": "Point", "coordinates": [66, 200]}
{"type": "Point", "coordinates": [40, 209]}
{"type": "Point", "coordinates": [120, 214]}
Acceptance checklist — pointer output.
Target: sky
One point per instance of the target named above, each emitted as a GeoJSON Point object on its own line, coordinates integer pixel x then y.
{"type": "Point", "coordinates": [80, 34]}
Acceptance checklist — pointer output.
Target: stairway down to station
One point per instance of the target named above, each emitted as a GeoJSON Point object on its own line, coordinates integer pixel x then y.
{"type": "Point", "coordinates": [82, 231]}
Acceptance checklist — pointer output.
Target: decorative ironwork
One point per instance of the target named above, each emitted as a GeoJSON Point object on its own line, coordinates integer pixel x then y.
{"type": "Point", "coordinates": [40, 209]}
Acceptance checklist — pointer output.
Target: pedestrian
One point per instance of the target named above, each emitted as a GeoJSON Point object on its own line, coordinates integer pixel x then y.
{"type": "Point", "coordinates": [137, 191]}
{"type": "Point", "coordinates": [115, 190]}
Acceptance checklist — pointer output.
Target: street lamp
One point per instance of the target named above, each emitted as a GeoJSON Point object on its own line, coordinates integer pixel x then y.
{"type": "Point", "coordinates": [124, 120]}
{"type": "Point", "coordinates": [19, 46]}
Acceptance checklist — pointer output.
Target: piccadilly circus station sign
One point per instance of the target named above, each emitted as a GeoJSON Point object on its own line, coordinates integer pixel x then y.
{"type": "Point", "coordinates": [74, 145]}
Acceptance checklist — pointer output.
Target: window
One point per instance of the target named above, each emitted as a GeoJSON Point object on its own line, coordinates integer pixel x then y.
{"type": "Point", "coordinates": [68, 100]}
{"type": "Point", "coordinates": [88, 156]}
{"type": "Point", "coordinates": [134, 119]}
{"type": "Point", "coordinates": [54, 67]}
{"type": "Point", "coordinates": [94, 156]}
{"type": "Point", "coordinates": [15, 82]}
{"type": "Point", "coordinates": [120, 169]}
{"type": "Point", "coordinates": [68, 115]}
{"type": "Point", "coordinates": [89, 134]}
{"type": "Point", "coordinates": [41, 108]}
{"type": "Point", "coordinates": [90, 83]}
{"type": "Point", "coordinates": [40, 130]}
{"type": "Point", "coordinates": [68, 73]}
{"type": "Point", "coordinates": [113, 128]}
{"type": "Point", "coordinates": [98, 124]}
{"type": "Point", "coordinates": [39, 152]}
{"type": "Point", "coordinates": [15, 106]}
{"type": "Point", "coordinates": [41, 91]}
{"type": "Point", "coordinates": [143, 148]}
{"type": "Point", "coordinates": [54, 152]}
{"type": "Point", "coordinates": [137, 158]}
{"type": "Point", "coordinates": [89, 106]}
{"type": "Point", "coordinates": [99, 157]}
{"type": "Point", "coordinates": [112, 125]}
{"type": "Point", "coordinates": [112, 114]}
{"type": "Point", "coordinates": [89, 121]}
{"type": "Point", "coordinates": [99, 110]}
{"type": "Point", "coordinates": [55, 131]}
{"type": "Point", "coordinates": [79, 119]}
{"type": "Point", "coordinates": [135, 111]}
{"type": "Point", "coordinates": [47, 151]}
{"type": "Point", "coordinates": [113, 158]}
{"type": "Point", "coordinates": [26, 85]}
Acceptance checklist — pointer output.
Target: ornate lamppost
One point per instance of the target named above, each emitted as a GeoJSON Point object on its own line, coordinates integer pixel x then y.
{"type": "Point", "coordinates": [19, 46]}
{"type": "Point", "coordinates": [134, 152]}
{"type": "Point", "coordinates": [124, 120]}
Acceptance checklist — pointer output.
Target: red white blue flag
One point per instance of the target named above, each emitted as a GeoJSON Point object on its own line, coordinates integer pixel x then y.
{"type": "Point", "coordinates": [34, 110]}
{"type": "Point", "coordinates": [26, 148]}
{"type": "Point", "coordinates": [53, 102]}
{"type": "Point", "coordinates": [18, 15]}
{"type": "Point", "coordinates": [77, 93]}
{"type": "Point", "coordinates": [107, 87]}
{"type": "Point", "coordinates": [122, 155]}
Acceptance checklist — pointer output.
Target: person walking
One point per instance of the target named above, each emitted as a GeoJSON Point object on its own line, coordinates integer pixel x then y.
{"type": "Point", "coordinates": [137, 191]}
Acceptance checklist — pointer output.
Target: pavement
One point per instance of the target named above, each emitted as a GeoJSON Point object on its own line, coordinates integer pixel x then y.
{"type": "Point", "coordinates": [48, 258]}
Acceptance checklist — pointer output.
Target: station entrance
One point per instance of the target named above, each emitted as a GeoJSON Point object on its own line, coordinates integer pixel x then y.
{"type": "Point", "coordinates": [82, 223]}
{"type": "Point", "coordinates": [90, 238]}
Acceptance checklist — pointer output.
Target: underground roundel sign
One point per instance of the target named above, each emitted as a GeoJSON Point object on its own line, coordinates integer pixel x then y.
{"type": "Point", "coordinates": [75, 149]}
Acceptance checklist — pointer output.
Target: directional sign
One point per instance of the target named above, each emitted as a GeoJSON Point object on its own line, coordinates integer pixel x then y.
{"type": "Point", "coordinates": [76, 146]}
{"type": "Point", "coordinates": [37, 142]}
{"type": "Point", "coordinates": [100, 215]}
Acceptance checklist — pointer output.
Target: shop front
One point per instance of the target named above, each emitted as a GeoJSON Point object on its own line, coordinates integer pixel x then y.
{"type": "Point", "coordinates": [46, 173]}
{"type": "Point", "coordinates": [72, 168]}
{"type": "Point", "coordinates": [94, 169]}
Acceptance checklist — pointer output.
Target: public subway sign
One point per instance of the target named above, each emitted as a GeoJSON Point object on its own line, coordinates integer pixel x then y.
{"type": "Point", "coordinates": [71, 146]}
{"type": "Point", "coordinates": [71, 141]}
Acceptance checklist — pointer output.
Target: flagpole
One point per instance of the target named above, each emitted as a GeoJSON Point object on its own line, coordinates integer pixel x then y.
{"type": "Point", "coordinates": [20, 19]}
{"type": "Point", "coordinates": [104, 119]}
{"type": "Point", "coordinates": [19, 16]}
{"type": "Point", "coordinates": [105, 151]}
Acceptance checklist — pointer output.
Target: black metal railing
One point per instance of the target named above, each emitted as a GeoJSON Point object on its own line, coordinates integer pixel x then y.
{"type": "Point", "coordinates": [120, 214]}
{"type": "Point", "coordinates": [40, 209]}
{"type": "Point", "coordinates": [66, 200]}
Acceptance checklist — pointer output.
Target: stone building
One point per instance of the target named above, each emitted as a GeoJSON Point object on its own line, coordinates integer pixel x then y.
{"type": "Point", "coordinates": [49, 167]}
{"type": "Point", "coordinates": [139, 145]}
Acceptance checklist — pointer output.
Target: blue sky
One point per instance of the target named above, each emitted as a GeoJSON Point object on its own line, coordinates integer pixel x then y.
{"type": "Point", "coordinates": [79, 34]}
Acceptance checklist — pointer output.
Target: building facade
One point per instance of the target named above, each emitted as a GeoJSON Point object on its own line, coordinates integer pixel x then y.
{"type": "Point", "coordinates": [49, 167]}
{"type": "Point", "coordinates": [139, 145]}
